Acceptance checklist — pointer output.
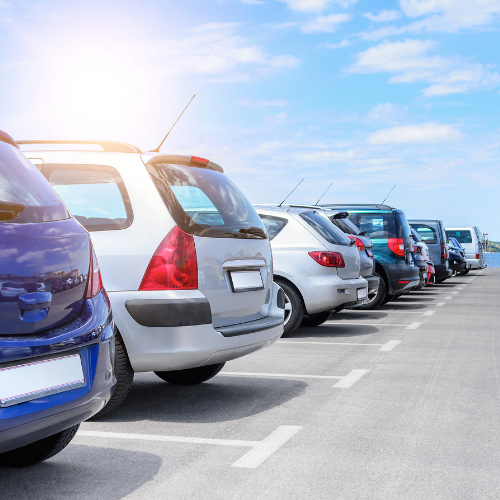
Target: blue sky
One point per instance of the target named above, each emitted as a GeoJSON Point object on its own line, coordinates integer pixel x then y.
{"type": "Point", "coordinates": [359, 93]}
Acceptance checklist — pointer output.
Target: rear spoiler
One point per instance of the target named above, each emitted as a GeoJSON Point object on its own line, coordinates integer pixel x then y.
{"type": "Point", "coordinates": [190, 161]}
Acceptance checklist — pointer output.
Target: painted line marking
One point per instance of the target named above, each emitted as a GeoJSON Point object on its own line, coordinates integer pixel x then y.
{"type": "Point", "coordinates": [389, 346]}
{"type": "Point", "coordinates": [440, 304]}
{"type": "Point", "coordinates": [429, 313]}
{"type": "Point", "coordinates": [279, 375]}
{"type": "Point", "coordinates": [459, 288]}
{"type": "Point", "coordinates": [413, 326]}
{"type": "Point", "coordinates": [448, 298]}
{"type": "Point", "coordinates": [361, 324]}
{"type": "Point", "coordinates": [350, 379]}
{"type": "Point", "coordinates": [321, 343]}
{"type": "Point", "coordinates": [261, 450]}
{"type": "Point", "coordinates": [454, 292]}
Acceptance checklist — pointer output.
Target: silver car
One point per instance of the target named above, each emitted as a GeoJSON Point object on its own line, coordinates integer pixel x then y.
{"type": "Point", "coordinates": [316, 264]}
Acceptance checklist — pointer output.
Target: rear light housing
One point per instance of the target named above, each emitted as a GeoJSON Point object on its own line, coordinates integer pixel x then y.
{"type": "Point", "coordinates": [358, 243]}
{"type": "Point", "coordinates": [477, 256]}
{"type": "Point", "coordinates": [397, 245]}
{"type": "Point", "coordinates": [94, 280]}
{"type": "Point", "coordinates": [443, 252]}
{"type": "Point", "coordinates": [370, 253]}
{"type": "Point", "coordinates": [328, 259]}
{"type": "Point", "coordinates": [173, 265]}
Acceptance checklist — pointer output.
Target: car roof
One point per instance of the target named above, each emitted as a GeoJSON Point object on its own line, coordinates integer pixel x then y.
{"type": "Point", "coordinates": [287, 208]}
{"type": "Point", "coordinates": [357, 207]}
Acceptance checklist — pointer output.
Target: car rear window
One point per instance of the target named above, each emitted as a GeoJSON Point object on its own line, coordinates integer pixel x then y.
{"type": "Point", "coordinates": [94, 194]}
{"type": "Point", "coordinates": [427, 233]}
{"type": "Point", "coordinates": [206, 203]}
{"type": "Point", "coordinates": [325, 228]}
{"type": "Point", "coordinates": [346, 225]}
{"type": "Point", "coordinates": [462, 235]}
{"type": "Point", "coordinates": [273, 224]}
{"type": "Point", "coordinates": [376, 225]}
{"type": "Point", "coordinates": [25, 196]}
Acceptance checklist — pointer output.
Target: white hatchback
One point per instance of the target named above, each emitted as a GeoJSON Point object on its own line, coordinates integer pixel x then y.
{"type": "Point", "coordinates": [184, 258]}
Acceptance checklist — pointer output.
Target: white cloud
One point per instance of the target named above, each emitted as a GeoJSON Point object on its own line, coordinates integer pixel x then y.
{"type": "Point", "coordinates": [384, 16]}
{"type": "Point", "coordinates": [277, 120]}
{"type": "Point", "coordinates": [327, 24]}
{"type": "Point", "coordinates": [314, 5]}
{"type": "Point", "coordinates": [287, 61]}
{"type": "Point", "coordinates": [262, 103]}
{"type": "Point", "coordinates": [386, 113]}
{"type": "Point", "coordinates": [253, 2]}
{"type": "Point", "coordinates": [409, 63]}
{"type": "Point", "coordinates": [425, 133]}
{"type": "Point", "coordinates": [340, 45]}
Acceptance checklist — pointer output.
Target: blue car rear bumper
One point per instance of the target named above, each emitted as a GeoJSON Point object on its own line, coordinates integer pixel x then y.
{"type": "Point", "coordinates": [92, 336]}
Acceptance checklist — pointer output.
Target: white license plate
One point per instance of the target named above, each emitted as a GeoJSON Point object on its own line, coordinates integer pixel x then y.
{"type": "Point", "coordinates": [36, 379]}
{"type": "Point", "coordinates": [246, 281]}
{"type": "Point", "coordinates": [362, 293]}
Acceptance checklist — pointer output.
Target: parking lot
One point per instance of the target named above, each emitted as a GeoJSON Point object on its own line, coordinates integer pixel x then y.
{"type": "Point", "coordinates": [401, 402]}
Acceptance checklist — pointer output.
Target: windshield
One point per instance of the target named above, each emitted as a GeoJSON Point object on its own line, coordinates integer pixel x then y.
{"type": "Point", "coordinates": [206, 203]}
{"type": "Point", "coordinates": [462, 235]}
{"type": "Point", "coordinates": [25, 196]}
{"type": "Point", "coordinates": [376, 225]}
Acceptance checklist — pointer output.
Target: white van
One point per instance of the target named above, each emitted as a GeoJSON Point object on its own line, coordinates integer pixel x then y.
{"type": "Point", "coordinates": [472, 239]}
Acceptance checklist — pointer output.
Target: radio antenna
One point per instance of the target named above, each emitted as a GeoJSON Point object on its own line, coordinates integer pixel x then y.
{"type": "Point", "coordinates": [388, 194]}
{"type": "Point", "coordinates": [157, 150]}
{"type": "Point", "coordinates": [324, 193]}
{"type": "Point", "coordinates": [290, 193]}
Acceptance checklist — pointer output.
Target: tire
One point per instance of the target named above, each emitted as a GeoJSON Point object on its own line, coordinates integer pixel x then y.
{"type": "Point", "coordinates": [463, 273]}
{"type": "Point", "coordinates": [294, 309]}
{"type": "Point", "coordinates": [388, 298]}
{"type": "Point", "coordinates": [38, 451]}
{"type": "Point", "coordinates": [124, 377]}
{"type": "Point", "coordinates": [191, 376]}
{"type": "Point", "coordinates": [315, 319]}
{"type": "Point", "coordinates": [378, 299]}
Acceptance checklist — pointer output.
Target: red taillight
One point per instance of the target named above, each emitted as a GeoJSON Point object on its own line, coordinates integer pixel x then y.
{"type": "Point", "coordinates": [173, 265]}
{"type": "Point", "coordinates": [328, 259]}
{"type": "Point", "coordinates": [443, 251]}
{"type": "Point", "coordinates": [477, 256]}
{"type": "Point", "coordinates": [358, 243]}
{"type": "Point", "coordinates": [94, 280]}
{"type": "Point", "coordinates": [397, 245]}
{"type": "Point", "coordinates": [201, 161]}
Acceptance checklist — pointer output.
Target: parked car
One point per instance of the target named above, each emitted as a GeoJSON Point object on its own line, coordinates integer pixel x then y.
{"type": "Point", "coordinates": [184, 258]}
{"type": "Point", "coordinates": [472, 240]}
{"type": "Point", "coordinates": [364, 244]}
{"type": "Point", "coordinates": [389, 232]}
{"type": "Point", "coordinates": [47, 384]}
{"type": "Point", "coordinates": [420, 256]}
{"type": "Point", "coordinates": [315, 264]}
{"type": "Point", "coordinates": [458, 262]}
{"type": "Point", "coordinates": [422, 249]}
{"type": "Point", "coordinates": [433, 235]}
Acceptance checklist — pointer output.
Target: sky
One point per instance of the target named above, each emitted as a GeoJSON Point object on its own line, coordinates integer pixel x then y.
{"type": "Point", "coordinates": [361, 94]}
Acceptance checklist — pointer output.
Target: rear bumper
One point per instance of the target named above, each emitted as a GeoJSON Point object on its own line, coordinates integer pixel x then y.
{"type": "Point", "coordinates": [442, 271]}
{"type": "Point", "coordinates": [373, 282]}
{"type": "Point", "coordinates": [473, 263]}
{"type": "Point", "coordinates": [186, 338]}
{"type": "Point", "coordinates": [402, 277]}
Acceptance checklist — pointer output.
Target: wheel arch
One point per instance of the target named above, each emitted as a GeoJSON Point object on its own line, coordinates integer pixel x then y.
{"type": "Point", "coordinates": [278, 277]}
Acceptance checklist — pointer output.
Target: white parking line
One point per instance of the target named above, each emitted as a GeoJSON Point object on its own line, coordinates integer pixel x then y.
{"type": "Point", "coordinates": [350, 379]}
{"type": "Point", "coordinates": [413, 326]}
{"type": "Point", "coordinates": [460, 288]}
{"type": "Point", "coordinates": [440, 304]}
{"type": "Point", "coordinates": [454, 292]}
{"type": "Point", "coordinates": [261, 450]}
{"type": "Point", "coordinates": [321, 343]}
{"type": "Point", "coordinates": [279, 375]}
{"type": "Point", "coordinates": [429, 313]}
{"type": "Point", "coordinates": [389, 346]}
{"type": "Point", "coordinates": [448, 298]}
{"type": "Point", "coordinates": [332, 322]}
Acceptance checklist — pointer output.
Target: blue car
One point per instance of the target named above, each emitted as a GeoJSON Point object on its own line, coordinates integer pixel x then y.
{"type": "Point", "coordinates": [57, 347]}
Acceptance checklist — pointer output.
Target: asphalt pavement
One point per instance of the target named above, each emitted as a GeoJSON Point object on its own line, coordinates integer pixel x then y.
{"type": "Point", "coordinates": [398, 403]}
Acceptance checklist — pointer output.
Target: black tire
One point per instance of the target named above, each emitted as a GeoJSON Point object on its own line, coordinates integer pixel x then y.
{"type": "Point", "coordinates": [191, 376]}
{"type": "Point", "coordinates": [463, 273]}
{"type": "Point", "coordinates": [294, 309]}
{"type": "Point", "coordinates": [124, 377]}
{"type": "Point", "coordinates": [315, 319]}
{"type": "Point", "coordinates": [388, 298]}
{"type": "Point", "coordinates": [379, 298]}
{"type": "Point", "coordinates": [38, 451]}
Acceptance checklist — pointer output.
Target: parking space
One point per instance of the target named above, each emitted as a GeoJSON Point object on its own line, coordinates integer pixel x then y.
{"type": "Point", "coordinates": [392, 403]}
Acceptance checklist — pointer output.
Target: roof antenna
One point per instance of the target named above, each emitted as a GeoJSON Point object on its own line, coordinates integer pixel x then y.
{"type": "Point", "coordinates": [157, 150]}
{"type": "Point", "coordinates": [290, 193]}
{"type": "Point", "coordinates": [324, 193]}
{"type": "Point", "coordinates": [388, 194]}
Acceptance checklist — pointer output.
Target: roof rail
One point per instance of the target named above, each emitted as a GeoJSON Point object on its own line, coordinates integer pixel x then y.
{"type": "Point", "coordinates": [190, 161]}
{"type": "Point", "coordinates": [108, 146]}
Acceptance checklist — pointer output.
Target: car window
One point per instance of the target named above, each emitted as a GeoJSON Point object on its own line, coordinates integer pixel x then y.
{"type": "Point", "coordinates": [94, 194]}
{"type": "Point", "coordinates": [426, 233]}
{"type": "Point", "coordinates": [380, 226]}
{"type": "Point", "coordinates": [206, 203]}
{"type": "Point", "coordinates": [416, 237]}
{"type": "Point", "coordinates": [462, 235]}
{"type": "Point", "coordinates": [346, 225]}
{"type": "Point", "coordinates": [25, 196]}
{"type": "Point", "coordinates": [273, 225]}
{"type": "Point", "coordinates": [325, 228]}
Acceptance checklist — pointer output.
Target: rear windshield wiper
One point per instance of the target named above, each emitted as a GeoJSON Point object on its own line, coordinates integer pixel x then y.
{"type": "Point", "coordinates": [10, 210]}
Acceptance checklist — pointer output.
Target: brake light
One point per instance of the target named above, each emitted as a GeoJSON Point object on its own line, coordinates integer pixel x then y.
{"type": "Point", "coordinates": [201, 161]}
{"type": "Point", "coordinates": [328, 259]}
{"type": "Point", "coordinates": [370, 253]}
{"type": "Point", "coordinates": [94, 280]}
{"type": "Point", "coordinates": [443, 251]}
{"type": "Point", "coordinates": [358, 243]}
{"type": "Point", "coordinates": [397, 245]}
{"type": "Point", "coordinates": [173, 265]}
{"type": "Point", "coordinates": [477, 256]}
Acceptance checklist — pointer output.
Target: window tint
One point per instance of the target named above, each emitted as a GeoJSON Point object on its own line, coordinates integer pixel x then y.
{"type": "Point", "coordinates": [204, 202]}
{"type": "Point", "coordinates": [346, 225]}
{"type": "Point", "coordinates": [462, 235]}
{"type": "Point", "coordinates": [94, 194]}
{"type": "Point", "coordinates": [416, 237]}
{"type": "Point", "coordinates": [273, 225]}
{"type": "Point", "coordinates": [426, 233]}
{"type": "Point", "coordinates": [325, 228]}
{"type": "Point", "coordinates": [379, 225]}
{"type": "Point", "coordinates": [25, 196]}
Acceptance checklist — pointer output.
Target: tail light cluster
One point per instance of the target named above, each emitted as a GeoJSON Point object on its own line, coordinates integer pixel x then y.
{"type": "Point", "coordinates": [397, 245]}
{"type": "Point", "coordinates": [477, 256]}
{"type": "Point", "coordinates": [94, 280]}
{"type": "Point", "coordinates": [173, 265]}
{"type": "Point", "coordinates": [443, 251]}
{"type": "Point", "coordinates": [358, 243]}
{"type": "Point", "coordinates": [328, 259]}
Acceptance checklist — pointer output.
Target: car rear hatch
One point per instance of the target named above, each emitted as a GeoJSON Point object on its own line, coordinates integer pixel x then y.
{"type": "Point", "coordinates": [232, 249]}
{"type": "Point", "coordinates": [45, 254]}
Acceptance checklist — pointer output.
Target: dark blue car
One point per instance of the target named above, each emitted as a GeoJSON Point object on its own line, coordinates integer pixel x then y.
{"type": "Point", "coordinates": [56, 329]}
